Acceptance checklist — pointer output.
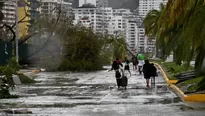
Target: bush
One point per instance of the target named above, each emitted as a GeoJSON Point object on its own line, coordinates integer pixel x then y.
{"type": "Point", "coordinates": [12, 63]}
{"type": "Point", "coordinates": [173, 68]}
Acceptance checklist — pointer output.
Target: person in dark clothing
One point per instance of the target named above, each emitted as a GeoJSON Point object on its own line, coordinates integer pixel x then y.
{"type": "Point", "coordinates": [147, 71]}
{"type": "Point", "coordinates": [116, 66]}
{"type": "Point", "coordinates": [134, 62]}
{"type": "Point", "coordinates": [127, 67]}
{"type": "Point", "coordinates": [153, 70]}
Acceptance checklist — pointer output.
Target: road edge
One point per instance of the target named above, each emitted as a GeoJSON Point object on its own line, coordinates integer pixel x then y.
{"type": "Point", "coordinates": [177, 91]}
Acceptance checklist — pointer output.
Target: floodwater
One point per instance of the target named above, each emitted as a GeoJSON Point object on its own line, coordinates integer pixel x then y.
{"type": "Point", "coordinates": [96, 94]}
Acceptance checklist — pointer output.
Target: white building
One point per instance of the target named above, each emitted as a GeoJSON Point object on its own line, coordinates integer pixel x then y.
{"type": "Point", "coordinates": [81, 2]}
{"type": "Point", "coordinates": [120, 22]}
{"type": "Point", "coordinates": [50, 8]}
{"type": "Point", "coordinates": [9, 10]}
{"type": "Point", "coordinates": [146, 5]}
{"type": "Point", "coordinates": [92, 15]}
{"type": "Point", "coordinates": [131, 34]}
{"type": "Point", "coordinates": [115, 26]}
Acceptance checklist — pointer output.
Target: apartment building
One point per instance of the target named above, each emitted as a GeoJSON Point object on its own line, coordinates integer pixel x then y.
{"type": "Point", "coordinates": [50, 8]}
{"type": "Point", "coordinates": [9, 11]}
{"type": "Point", "coordinates": [89, 15]}
{"type": "Point", "coordinates": [131, 34]}
{"type": "Point", "coordinates": [146, 5]}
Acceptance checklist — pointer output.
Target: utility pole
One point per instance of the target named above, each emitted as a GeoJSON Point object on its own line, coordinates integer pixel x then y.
{"type": "Point", "coordinates": [16, 40]}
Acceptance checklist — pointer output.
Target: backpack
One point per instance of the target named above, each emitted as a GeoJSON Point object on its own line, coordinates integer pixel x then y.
{"type": "Point", "coordinates": [117, 74]}
{"type": "Point", "coordinates": [116, 65]}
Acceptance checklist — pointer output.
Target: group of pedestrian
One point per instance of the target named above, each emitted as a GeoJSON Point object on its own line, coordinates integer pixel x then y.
{"type": "Point", "coordinates": [148, 69]}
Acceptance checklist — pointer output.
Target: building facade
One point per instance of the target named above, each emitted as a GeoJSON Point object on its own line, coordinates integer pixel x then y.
{"type": "Point", "coordinates": [146, 5]}
{"type": "Point", "coordinates": [118, 22]}
{"type": "Point", "coordinates": [50, 8]}
{"type": "Point", "coordinates": [89, 16]}
{"type": "Point", "coordinates": [9, 11]}
{"type": "Point", "coordinates": [131, 34]}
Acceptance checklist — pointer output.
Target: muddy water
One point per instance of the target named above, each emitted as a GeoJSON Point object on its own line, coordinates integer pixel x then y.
{"type": "Point", "coordinates": [95, 94]}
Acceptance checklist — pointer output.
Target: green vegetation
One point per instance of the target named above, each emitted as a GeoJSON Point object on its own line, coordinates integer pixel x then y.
{"type": "Point", "coordinates": [25, 80]}
{"type": "Point", "coordinates": [7, 83]}
{"type": "Point", "coordinates": [173, 68]}
{"type": "Point", "coordinates": [179, 29]}
{"type": "Point", "coordinates": [81, 49]}
{"type": "Point", "coordinates": [191, 85]}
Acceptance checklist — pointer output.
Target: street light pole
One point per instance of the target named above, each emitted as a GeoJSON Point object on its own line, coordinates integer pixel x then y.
{"type": "Point", "coordinates": [16, 40]}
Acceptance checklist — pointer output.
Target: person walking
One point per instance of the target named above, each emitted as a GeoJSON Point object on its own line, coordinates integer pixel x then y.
{"type": "Point", "coordinates": [127, 67]}
{"type": "Point", "coordinates": [134, 62]}
{"type": "Point", "coordinates": [153, 70]}
{"type": "Point", "coordinates": [147, 71]}
{"type": "Point", "coordinates": [140, 66]}
{"type": "Point", "coordinates": [116, 66]}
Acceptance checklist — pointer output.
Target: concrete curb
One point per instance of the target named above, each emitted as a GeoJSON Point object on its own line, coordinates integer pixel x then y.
{"type": "Point", "coordinates": [165, 76]}
{"type": "Point", "coordinates": [184, 97]}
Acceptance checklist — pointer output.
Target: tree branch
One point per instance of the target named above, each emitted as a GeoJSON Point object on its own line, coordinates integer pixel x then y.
{"type": "Point", "coordinates": [11, 29]}
{"type": "Point", "coordinates": [25, 38]}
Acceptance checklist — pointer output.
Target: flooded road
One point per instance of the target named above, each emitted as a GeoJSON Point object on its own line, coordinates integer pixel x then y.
{"type": "Point", "coordinates": [95, 94]}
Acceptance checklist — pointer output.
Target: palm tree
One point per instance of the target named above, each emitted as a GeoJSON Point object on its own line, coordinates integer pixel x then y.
{"type": "Point", "coordinates": [182, 32]}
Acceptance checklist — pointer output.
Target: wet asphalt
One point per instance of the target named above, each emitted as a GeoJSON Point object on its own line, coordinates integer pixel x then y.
{"type": "Point", "coordinates": [96, 94]}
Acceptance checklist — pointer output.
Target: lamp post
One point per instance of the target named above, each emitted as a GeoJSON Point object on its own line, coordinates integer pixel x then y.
{"type": "Point", "coordinates": [16, 40]}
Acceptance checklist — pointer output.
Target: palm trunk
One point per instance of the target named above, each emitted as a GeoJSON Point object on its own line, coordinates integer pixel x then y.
{"type": "Point", "coordinates": [200, 61]}
{"type": "Point", "coordinates": [177, 57]}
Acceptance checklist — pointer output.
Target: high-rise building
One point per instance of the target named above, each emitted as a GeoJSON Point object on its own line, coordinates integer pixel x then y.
{"type": "Point", "coordinates": [131, 34]}
{"type": "Point", "coordinates": [50, 8]}
{"type": "Point", "coordinates": [89, 16]}
{"type": "Point", "coordinates": [146, 5]}
{"type": "Point", "coordinates": [120, 22]}
{"type": "Point", "coordinates": [9, 11]}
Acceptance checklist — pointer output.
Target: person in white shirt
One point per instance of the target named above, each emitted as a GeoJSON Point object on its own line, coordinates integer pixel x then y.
{"type": "Point", "coordinates": [140, 65]}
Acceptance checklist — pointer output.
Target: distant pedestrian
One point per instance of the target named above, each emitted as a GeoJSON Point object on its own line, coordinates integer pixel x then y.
{"type": "Point", "coordinates": [140, 66]}
{"type": "Point", "coordinates": [127, 67]}
{"type": "Point", "coordinates": [153, 70]}
{"type": "Point", "coordinates": [147, 71]}
{"type": "Point", "coordinates": [134, 62]}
